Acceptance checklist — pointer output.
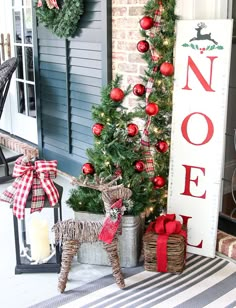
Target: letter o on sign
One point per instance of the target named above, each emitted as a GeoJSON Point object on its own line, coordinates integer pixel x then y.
{"type": "Point", "coordinates": [210, 129]}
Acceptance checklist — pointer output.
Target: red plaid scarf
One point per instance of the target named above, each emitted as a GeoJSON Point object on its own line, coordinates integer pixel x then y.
{"type": "Point", "coordinates": [38, 177]}
{"type": "Point", "coordinates": [110, 226]}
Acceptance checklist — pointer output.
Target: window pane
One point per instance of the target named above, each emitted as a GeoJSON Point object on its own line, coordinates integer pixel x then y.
{"type": "Point", "coordinates": [21, 97]}
{"type": "Point", "coordinates": [17, 26]}
{"type": "Point", "coordinates": [29, 65]}
{"type": "Point", "coordinates": [31, 100]}
{"type": "Point", "coordinates": [19, 72]}
{"type": "Point", "coordinates": [28, 3]}
{"type": "Point", "coordinates": [28, 26]}
{"type": "Point", "coordinates": [17, 2]}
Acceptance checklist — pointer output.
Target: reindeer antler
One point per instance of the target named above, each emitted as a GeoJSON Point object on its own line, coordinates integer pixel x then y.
{"type": "Point", "coordinates": [110, 192]}
{"type": "Point", "coordinates": [201, 25]}
{"type": "Point", "coordinates": [98, 184]}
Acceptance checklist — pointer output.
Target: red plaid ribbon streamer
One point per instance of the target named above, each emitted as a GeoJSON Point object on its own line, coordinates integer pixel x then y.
{"type": "Point", "coordinates": [148, 159]}
{"type": "Point", "coordinates": [149, 87]}
{"type": "Point", "coordinates": [156, 22]}
{"type": "Point", "coordinates": [37, 177]}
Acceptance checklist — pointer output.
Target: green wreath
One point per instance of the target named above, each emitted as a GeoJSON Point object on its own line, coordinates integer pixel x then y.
{"type": "Point", "coordinates": [63, 21]}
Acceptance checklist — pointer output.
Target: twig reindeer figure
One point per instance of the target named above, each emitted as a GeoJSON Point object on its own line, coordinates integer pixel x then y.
{"type": "Point", "coordinates": [71, 233]}
{"type": "Point", "coordinates": [200, 26]}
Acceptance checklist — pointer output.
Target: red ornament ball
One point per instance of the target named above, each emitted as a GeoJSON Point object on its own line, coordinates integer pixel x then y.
{"type": "Point", "coordinates": [158, 182]}
{"type": "Point", "coordinates": [117, 94]}
{"type": "Point", "coordinates": [146, 23]}
{"type": "Point", "coordinates": [139, 166]}
{"type": "Point", "coordinates": [88, 168]}
{"type": "Point", "coordinates": [97, 129]}
{"type": "Point", "coordinates": [132, 129]}
{"type": "Point", "coordinates": [152, 109]}
{"type": "Point", "coordinates": [167, 69]}
{"type": "Point", "coordinates": [143, 46]}
{"type": "Point", "coordinates": [161, 146]}
{"type": "Point", "coordinates": [118, 172]}
{"type": "Point", "coordinates": [139, 89]}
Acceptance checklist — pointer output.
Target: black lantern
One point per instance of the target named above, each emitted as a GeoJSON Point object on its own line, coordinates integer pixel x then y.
{"type": "Point", "coordinates": [36, 251]}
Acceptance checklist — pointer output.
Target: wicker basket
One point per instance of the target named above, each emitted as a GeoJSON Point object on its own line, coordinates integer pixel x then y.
{"type": "Point", "coordinates": [176, 250]}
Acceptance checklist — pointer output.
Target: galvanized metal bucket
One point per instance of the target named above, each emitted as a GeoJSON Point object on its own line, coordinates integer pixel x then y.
{"type": "Point", "coordinates": [130, 242]}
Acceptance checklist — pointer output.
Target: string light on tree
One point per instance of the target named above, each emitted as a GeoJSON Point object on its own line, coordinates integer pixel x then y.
{"type": "Point", "coordinates": [166, 42]}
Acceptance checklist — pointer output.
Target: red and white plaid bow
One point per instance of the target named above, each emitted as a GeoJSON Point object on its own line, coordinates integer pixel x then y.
{"type": "Point", "coordinates": [37, 177]}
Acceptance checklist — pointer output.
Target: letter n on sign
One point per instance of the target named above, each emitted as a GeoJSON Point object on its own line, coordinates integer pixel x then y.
{"type": "Point", "coordinates": [200, 98]}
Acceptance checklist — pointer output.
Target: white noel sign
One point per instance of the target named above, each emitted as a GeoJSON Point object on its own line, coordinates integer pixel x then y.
{"type": "Point", "coordinates": [202, 65]}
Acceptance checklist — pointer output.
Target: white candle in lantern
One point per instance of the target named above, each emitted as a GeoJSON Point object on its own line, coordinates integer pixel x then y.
{"type": "Point", "coordinates": [39, 238]}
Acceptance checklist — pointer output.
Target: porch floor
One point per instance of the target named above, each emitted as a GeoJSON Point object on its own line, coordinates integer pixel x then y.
{"type": "Point", "coordinates": [21, 291]}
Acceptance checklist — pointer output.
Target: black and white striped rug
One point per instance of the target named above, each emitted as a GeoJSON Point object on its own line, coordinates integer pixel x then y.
{"type": "Point", "coordinates": [205, 282]}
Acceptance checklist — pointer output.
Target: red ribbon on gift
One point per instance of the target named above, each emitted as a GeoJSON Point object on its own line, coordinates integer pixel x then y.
{"type": "Point", "coordinates": [38, 177]}
{"type": "Point", "coordinates": [164, 226]}
{"type": "Point", "coordinates": [110, 226]}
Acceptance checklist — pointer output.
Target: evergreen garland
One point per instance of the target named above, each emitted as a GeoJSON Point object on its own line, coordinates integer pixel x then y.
{"type": "Point", "coordinates": [63, 21]}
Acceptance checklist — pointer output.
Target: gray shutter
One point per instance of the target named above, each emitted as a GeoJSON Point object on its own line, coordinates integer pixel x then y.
{"type": "Point", "coordinates": [69, 77]}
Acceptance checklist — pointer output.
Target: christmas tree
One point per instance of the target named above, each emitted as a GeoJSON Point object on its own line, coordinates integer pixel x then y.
{"type": "Point", "coordinates": [120, 148]}
{"type": "Point", "coordinates": [155, 95]}
{"type": "Point", "coordinates": [116, 152]}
